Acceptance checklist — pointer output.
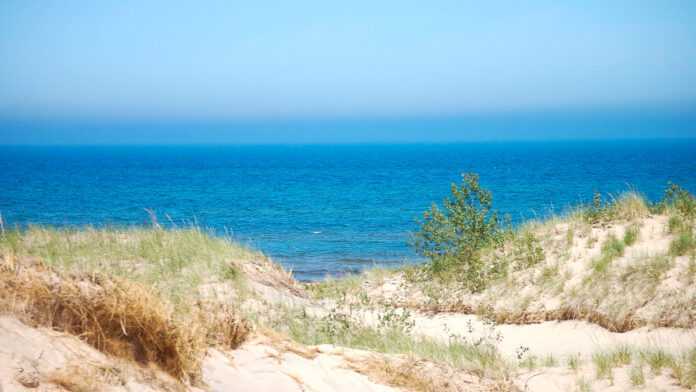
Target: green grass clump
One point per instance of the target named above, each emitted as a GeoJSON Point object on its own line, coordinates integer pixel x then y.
{"type": "Point", "coordinates": [528, 250]}
{"type": "Point", "coordinates": [682, 206]}
{"type": "Point", "coordinates": [675, 224]}
{"type": "Point", "coordinates": [683, 243]}
{"type": "Point", "coordinates": [631, 235]}
{"type": "Point", "coordinates": [570, 237]}
{"type": "Point", "coordinates": [648, 270]}
{"type": "Point", "coordinates": [637, 376]}
{"type": "Point", "coordinates": [605, 362]}
{"type": "Point", "coordinates": [657, 360]}
{"type": "Point", "coordinates": [574, 362]}
{"type": "Point", "coordinates": [612, 248]}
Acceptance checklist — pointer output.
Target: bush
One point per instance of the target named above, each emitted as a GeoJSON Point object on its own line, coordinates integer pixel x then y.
{"type": "Point", "coordinates": [452, 238]}
{"type": "Point", "coordinates": [681, 200]}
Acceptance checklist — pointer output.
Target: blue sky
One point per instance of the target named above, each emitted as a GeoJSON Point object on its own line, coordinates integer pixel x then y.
{"type": "Point", "coordinates": [175, 62]}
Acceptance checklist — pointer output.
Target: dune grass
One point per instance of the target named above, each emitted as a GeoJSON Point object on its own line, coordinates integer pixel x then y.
{"type": "Point", "coordinates": [172, 262]}
{"type": "Point", "coordinates": [131, 292]}
{"type": "Point", "coordinates": [605, 362]}
{"type": "Point", "coordinates": [631, 235]}
{"type": "Point", "coordinates": [612, 248]}
{"type": "Point", "coordinates": [482, 359]}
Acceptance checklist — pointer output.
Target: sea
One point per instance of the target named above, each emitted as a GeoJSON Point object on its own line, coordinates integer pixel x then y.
{"type": "Point", "coordinates": [323, 210]}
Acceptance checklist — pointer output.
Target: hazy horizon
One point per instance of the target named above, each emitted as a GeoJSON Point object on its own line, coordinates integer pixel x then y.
{"type": "Point", "coordinates": [219, 72]}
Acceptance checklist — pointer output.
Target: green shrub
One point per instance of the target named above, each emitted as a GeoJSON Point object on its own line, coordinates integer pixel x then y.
{"type": "Point", "coordinates": [452, 238]}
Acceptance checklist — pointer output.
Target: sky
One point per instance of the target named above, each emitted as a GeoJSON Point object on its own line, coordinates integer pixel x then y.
{"type": "Point", "coordinates": [225, 71]}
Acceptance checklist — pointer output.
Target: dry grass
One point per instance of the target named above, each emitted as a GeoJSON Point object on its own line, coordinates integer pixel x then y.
{"type": "Point", "coordinates": [76, 379]}
{"type": "Point", "coordinates": [173, 263]}
{"type": "Point", "coordinates": [627, 206]}
{"type": "Point", "coordinates": [52, 278]}
{"type": "Point", "coordinates": [424, 376]}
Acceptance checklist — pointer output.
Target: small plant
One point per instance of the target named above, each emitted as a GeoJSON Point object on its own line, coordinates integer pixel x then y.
{"type": "Point", "coordinates": [550, 361]}
{"type": "Point", "coordinates": [612, 248]}
{"type": "Point", "coordinates": [622, 356]}
{"type": "Point", "coordinates": [452, 238]}
{"type": "Point", "coordinates": [681, 200]}
{"type": "Point", "coordinates": [548, 274]}
{"type": "Point", "coordinates": [574, 362]}
{"type": "Point", "coordinates": [631, 235]}
{"type": "Point", "coordinates": [334, 325]}
{"type": "Point", "coordinates": [392, 319]}
{"type": "Point", "coordinates": [603, 366]}
{"type": "Point", "coordinates": [675, 224]}
{"type": "Point", "coordinates": [583, 385]}
{"type": "Point", "coordinates": [605, 362]}
{"type": "Point", "coordinates": [529, 251]}
{"type": "Point", "coordinates": [521, 351]}
{"type": "Point", "coordinates": [655, 267]}
{"type": "Point", "coordinates": [657, 360]}
{"type": "Point", "coordinates": [593, 214]}
{"type": "Point", "coordinates": [570, 236]}
{"type": "Point", "coordinates": [682, 243]}
{"type": "Point", "coordinates": [530, 362]}
{"type": "Point", "coordinates": [637, 376]}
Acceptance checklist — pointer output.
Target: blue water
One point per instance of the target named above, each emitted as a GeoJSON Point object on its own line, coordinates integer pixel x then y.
{"type": "Point", "coordinates": [322, 209]}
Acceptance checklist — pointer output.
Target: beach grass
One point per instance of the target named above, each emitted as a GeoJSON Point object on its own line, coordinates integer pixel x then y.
{"type": "Point", "coordinates": [130, 292]}
{"type": "Point", "coordinates": [174, 263]}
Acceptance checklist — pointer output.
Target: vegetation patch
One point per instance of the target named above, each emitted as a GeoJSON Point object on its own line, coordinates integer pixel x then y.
{"type": "Point", "coordinates": [612, 248]}
{"type": "Point", "coordinates": [479, 357]}
{"type": "Point", "coordinates": [683, 243]}
{"type": "Point", "coordinates": [605, 362]}
{"type": "Point", "coordinates": [454, 237]}
{"type": "Point", "coordinates": [631, 235]}
{"type": "Point", "coordinates": [132, 293]}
